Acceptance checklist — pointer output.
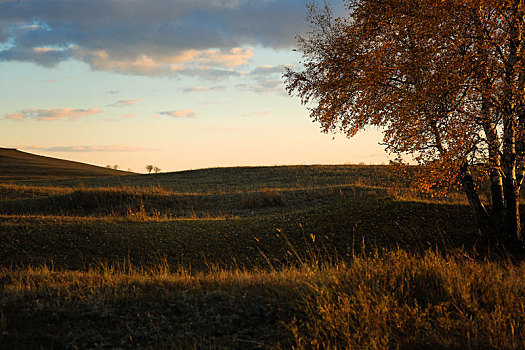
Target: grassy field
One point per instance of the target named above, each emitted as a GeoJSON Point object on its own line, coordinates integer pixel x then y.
{"type": "Point", "coordinates": [251, 257]}
{"type": "Point", "coordinates": [21, 166]}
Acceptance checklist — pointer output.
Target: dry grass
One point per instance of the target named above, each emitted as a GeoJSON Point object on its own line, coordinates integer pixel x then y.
{"type": "Point", "coordinates": [385, 301]}
{"type": "Point", "coordinates": [21, 166]}
{"type": "Point", "coordinates": [267, 257]}
{"type": "Point", "coordinates": [159, 203]}
{"type": "Point", "coordinates": [16, 192]}
{"type": "Point", "coordinates": [263, 199]}
{"type": "Point", "coordinates": [242, 179]}
{"type": "Point", "coordinates": [398, 300]}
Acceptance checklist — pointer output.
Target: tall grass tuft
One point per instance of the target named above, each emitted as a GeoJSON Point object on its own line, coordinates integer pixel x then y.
{"type": "Point", "coordinates": [400, 301]}
{"type": "Point", "coordinates": [263, 199]}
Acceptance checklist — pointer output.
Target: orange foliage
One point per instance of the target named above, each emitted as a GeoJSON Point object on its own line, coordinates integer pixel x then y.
{"type": "Point", "coordinates": [444, 80]}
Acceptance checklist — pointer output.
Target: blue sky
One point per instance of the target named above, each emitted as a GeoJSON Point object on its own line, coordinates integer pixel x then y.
{"type": "Point", "coordinates": [181, 84]}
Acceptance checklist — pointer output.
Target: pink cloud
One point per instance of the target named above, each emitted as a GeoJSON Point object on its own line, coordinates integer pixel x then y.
{"type": "Point", "coordinates": [203, 89]}
{"type": "Point", "coordinates": [15, 116]}
{"type": "Point", "coordinates": [190, 62]}
{"type": "Point", "coordinates": [189, 113]}
{"type": "Point", "coordinates": [89, 148]}
{"type": "Point", "coordinates": [52, 114]}
{"type": "Point", "coordinates": [234, 58]}
{"type": "Point", "coordinates": [124, 103]}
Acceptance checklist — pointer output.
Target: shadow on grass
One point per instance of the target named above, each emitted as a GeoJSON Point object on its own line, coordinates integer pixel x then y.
{"type": "Point", "coordinates": [334, 231]}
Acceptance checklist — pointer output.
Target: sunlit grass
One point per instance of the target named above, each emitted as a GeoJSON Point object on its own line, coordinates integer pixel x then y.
{"type": "Point", "coordinates": [11, 191]}
{"type": "Point", "coordinates": [386, 300]}
{"type": "Point", "coordinates": [399, 300]}
{"type": "Point", "coordinates": [268, 257]}
{"type": "Point", "coordinates": [159, 203]}
{"type": "Point", "coordinates": [241, 179]}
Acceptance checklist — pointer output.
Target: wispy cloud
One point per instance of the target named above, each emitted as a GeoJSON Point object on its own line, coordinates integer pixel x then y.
{"type": "Point", "coordinates": [221, 102]}
{"type": "Point", "coordinates": [266, 70]}
{"type": "Point", "coordinates": [52, 114]}
{"type": "Point", "coordinates": [264, 79]}
{"type": "Point", "coordinates": [90, 148]}
{"type": "Point", "coordinates": [256, 114]}
{"type": "Point", "coordinates": [181, 113]}
{"type": "Point", "coordinates": [203, 89]}
{"type": "Point", "coordinates": [125, 103]}
{"type": "Point", "coordinates": [129, 115]}
{"type": "Point", "coordinates": [264, 86]}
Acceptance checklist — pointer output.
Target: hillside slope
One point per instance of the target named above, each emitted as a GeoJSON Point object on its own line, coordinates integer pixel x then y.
{"type": "Point", "coordinates": [18, 165]}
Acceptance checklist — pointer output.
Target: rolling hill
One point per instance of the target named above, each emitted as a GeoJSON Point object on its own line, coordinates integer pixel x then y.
{"type": "Point", "coordinates": [245, 258]}
{"type": "Point", "coordinates": [18, 165]}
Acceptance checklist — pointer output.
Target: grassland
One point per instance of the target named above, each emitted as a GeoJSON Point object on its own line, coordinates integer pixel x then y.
{"type": "Point", "coordinates": [21, 166]}
{"type": "Point", "coordinates": [251, 257]}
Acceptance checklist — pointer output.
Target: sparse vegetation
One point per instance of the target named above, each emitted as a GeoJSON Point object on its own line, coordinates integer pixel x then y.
{"type": "Point", "coordinates": [255, 257]}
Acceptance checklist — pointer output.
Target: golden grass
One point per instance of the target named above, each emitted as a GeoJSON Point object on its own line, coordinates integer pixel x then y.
{"type": "Point", "coordinates": [385, 301]}
{"type": "Point", "coordinates": [402, 301]}
{"type": "Point", "coordinates": [88, 225]}
{"type": "Point", "coordinates": [242, 179]}
{"type": "Point", "coordinates": [266, 257]}
{"type": "Point", "coordinates": [10, 191]}
{"type": "Point", "coordinates": [156, 203]}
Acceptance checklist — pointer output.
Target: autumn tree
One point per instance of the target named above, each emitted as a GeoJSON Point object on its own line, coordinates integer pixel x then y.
{"type": "Point", "coordinates": [444, 79]}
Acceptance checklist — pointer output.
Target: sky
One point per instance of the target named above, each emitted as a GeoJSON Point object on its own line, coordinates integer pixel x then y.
{"type": "Point", "coordinates": [179, 84]}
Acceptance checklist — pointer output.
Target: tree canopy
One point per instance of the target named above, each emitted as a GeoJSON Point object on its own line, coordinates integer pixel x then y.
{"type": "Point", "coordinates": [444, 79]}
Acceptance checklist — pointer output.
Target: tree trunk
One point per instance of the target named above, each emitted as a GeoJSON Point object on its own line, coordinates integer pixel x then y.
{"type": "Point", "coordinates": [512, 212]}
{"type": "Point", "coordinates": [496, 180]}
{"type": "Point", "coordinates": [511, 188]}
{"type": "Point", "coordinates": [481, 216]}
{"type": "Point", "coordinates": [509, 113]}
